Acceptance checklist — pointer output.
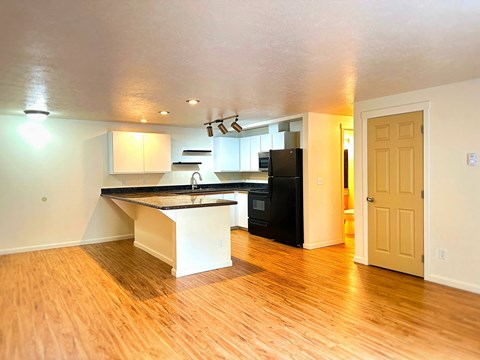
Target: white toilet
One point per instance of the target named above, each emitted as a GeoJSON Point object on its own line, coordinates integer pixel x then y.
{"type": "Point", "coordinates": [349, 221]}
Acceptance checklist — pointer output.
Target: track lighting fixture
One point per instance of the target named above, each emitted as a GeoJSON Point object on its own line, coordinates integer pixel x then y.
{"type": "Point", "coordinates": [235, 125]}
{"type": "Point", "coordinates": [209, 131]}
{"type": "Point", "coordinates": [223, 129]}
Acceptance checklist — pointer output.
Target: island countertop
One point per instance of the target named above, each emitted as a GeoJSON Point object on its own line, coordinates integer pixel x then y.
{"type": "Point", "coordinates": [169, 201]}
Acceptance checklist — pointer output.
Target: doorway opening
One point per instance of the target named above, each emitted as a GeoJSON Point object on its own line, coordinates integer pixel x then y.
{"type": "Point", "coordinates": [348, 186]}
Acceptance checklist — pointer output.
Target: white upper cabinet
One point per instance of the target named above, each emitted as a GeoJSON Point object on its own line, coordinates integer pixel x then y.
{"type": "Point", "coordinates": [157, 153]}
{"type": "Point", "coordinates": [226, 154]}
{"type": "Point", "coordinates": [125, 152]}
{"type": "Point", "coordinates": [284, 140]}
{"type": "Point", "coordinates": [138, 153]}
{"type": "Point", "coordinates": [245, 154]}
{"type": "Point", "coordinates": [249, 148]}
{"type": "Point", "coordinates": [266, 142]}
{"type": "Point", "coordinates": [254, 150]}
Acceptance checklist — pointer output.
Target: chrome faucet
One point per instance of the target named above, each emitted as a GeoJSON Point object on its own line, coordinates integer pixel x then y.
{"type": "Point", "coordinates": [193, 181]}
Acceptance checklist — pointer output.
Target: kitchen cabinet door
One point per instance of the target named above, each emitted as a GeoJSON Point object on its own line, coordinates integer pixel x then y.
{"type": "Point", "coordinates": [254, 150]}
{"type": "Point", "coordinates": [125, 152]}
{"type": "Point", "coordinates": [245, 154]}
{"type": "Point", "coordinates": [226, 154]}
{"type": "Point", "coordinates": [242, 210]}
{"type": "Point", "coordinates": [233, 209]}
{"type": "Point", "coordinates": [266, 142]}
{"type": "Point", "coordinates": [157, 153]}
{"type": "Point", "coordinates": [284, 140]}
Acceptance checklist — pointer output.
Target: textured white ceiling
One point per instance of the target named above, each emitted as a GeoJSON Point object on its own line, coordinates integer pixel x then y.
{"type": "Point", "coordinates": [121, 60]}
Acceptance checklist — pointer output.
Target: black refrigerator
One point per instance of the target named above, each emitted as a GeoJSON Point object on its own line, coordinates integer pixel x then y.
{"type": "Point", "coordinates": [285, 189]}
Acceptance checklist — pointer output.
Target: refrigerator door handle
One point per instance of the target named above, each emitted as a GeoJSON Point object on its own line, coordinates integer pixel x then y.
{"type": "Point", "coordinates": [270, 170]}
{"type": "Point", "coordinates": [270, 185]}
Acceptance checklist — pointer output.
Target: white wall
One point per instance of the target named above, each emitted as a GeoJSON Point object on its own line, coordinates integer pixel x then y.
{"type": "Point", "coordinates": [323, 202]}
{"type": "Point", "coordinates": [69, 171]}
{"type": "Point", "coordinates": [452, 189]}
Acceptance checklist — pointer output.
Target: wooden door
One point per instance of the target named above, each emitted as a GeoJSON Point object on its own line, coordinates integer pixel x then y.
{"type": "Point", "coordinates": [395, 192]}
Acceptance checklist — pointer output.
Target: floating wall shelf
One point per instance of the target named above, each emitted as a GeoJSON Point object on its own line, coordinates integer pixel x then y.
{"type": "Point", "coordinates": [198, 151]}
{"type": "Point", "coordinates": [187, 163]}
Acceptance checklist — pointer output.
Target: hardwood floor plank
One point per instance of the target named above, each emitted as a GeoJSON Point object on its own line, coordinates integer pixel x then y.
{"type": "Point", "coordinates": [113, 300]}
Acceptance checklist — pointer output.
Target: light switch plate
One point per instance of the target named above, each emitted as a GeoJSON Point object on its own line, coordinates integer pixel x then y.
{"type": "Point", "coordinates": [472, 159]}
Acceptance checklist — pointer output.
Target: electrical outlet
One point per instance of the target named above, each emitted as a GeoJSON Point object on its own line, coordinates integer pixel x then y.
{"type": "Point", "coordinates": [124, 182]}
{"type": "Point", "coordinates": [442, 254]}
{"type": "Point", "coordinates": [472, 159]}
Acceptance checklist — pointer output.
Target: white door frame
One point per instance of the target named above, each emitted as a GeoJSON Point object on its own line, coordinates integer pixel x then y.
{"type": "Point", "coordinates": [420, 106]}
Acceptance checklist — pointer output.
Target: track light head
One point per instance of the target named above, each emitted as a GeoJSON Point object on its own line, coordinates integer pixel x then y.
{"type": "Point", "coordinates": [209, 131]}
{"type": "Point", "coordinates": [236, 126]}
{"type": "Point", "coordinates": [222, 128]}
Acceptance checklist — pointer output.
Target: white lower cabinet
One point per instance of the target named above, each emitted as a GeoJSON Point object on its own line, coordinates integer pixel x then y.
{"type": "Point", "coordinates": [242, 209]}
{"type": "Point", "coordinates": [233, 209]}
{"type": "Point", "coordinates": [239, 212]}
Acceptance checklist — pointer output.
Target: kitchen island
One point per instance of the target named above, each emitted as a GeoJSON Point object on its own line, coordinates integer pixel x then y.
{"type": "Point", "coordinates": [190, 232]}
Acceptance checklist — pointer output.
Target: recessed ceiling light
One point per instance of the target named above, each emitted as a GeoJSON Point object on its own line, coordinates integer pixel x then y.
{"type": "Point", "coordinates": [36, 115]}
{"type": "Point", "coordinates": [143, 120]}
{"type": "Point", "coordinates": [193, 101]}
{"type": "Point", "coordinates": [163, 112]}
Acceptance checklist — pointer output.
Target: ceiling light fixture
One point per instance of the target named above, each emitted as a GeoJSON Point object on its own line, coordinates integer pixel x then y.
{"type": "Point", "coordinates": [36, 115]}
{"type": "Point", "coordinates": [222, 127]}
{"type": "Point", "coordinates": [209, 131]}
{"type": "Point", "coordinates": [163, 112]}
{"type": "Point", "coordinates": [143, 120]}
{"type": "Point", "coordinates": [236, 126]}
{"type": "Point", "coordinates": [193, 101]}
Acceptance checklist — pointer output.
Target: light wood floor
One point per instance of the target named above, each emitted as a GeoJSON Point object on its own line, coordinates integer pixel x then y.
{"type": "Point", "coordinates": [114, 301]}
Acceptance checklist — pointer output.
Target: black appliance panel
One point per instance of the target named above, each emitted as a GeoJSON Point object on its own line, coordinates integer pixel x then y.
{"type": "Point", "coordinates": [286, 162]}
{"type": "Point", "coordinates": [259, 205]}
{"type": "Point", "coordinates": [286, 210]}
{"type": "Point", "coordinates": [260, 228]}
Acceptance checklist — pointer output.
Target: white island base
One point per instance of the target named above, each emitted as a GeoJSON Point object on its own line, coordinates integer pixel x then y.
{"type": "Point", "coordinates": [191, 240]}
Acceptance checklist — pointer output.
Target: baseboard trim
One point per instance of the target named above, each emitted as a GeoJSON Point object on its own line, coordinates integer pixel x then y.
{"type": "Point", "coordinates": [64, 244]}
{"type": "Point", "coordinates": [238, 228]}
{"type": "Point", "coordinates": [199, 269]}
{"type": "Point", "coordinates": [320, 244]}
{"type": "Point", "coordinates": [453, 283]}
{"type": "Point", "coordinates": [359, 260]}
{"type": "Point", "coordinates": [154, 253]}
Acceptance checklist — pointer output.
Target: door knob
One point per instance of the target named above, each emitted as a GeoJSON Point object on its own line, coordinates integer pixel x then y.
{"type": "Point", "coordinates": [370, 199]}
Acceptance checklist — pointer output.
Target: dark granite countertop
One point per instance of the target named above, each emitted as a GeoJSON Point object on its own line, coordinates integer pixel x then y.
{"type": "Point", "coordinates": [186, 189]}
{"type": "Point", "coordinates": [165, 201]}
{"type": "Point", "coordinates": [173, 197]}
